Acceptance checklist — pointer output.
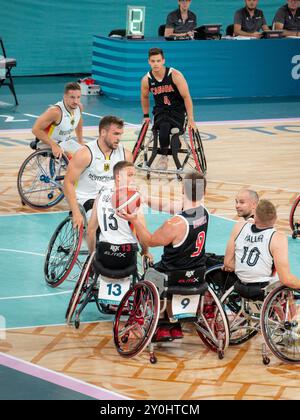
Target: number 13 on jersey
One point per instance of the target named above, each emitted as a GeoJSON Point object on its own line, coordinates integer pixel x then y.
{"type": "Point", "coordinates": [112, 292]}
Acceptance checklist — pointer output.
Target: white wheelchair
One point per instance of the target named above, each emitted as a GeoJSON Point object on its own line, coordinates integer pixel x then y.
{"type": "Point", "coordinates": [188, 156]}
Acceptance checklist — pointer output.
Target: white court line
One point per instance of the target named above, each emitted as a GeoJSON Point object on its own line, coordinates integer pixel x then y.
{"type": "Point", "coordinates": [55, 325]}
{"type": "Point", "coordinates": [270, 187]}
{"type": "Point", "coordinates": [34, 214]}
{"type": "Point", "coordinates": [200, 123]}
{"type": "Point", "coordinates": [21, 252]}
{"type": "Point", "coordinates": [36, 296]}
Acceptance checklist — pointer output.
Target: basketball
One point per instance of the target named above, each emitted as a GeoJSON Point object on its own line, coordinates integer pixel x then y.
{"type": "Point", "coordinates": [126, 199]}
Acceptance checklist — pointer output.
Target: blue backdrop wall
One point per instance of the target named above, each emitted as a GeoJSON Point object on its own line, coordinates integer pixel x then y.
{"type": "Point", "coordinates": [55, 36]}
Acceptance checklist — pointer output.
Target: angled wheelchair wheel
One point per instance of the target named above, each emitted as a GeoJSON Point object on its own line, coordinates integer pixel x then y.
{"type": "Point", "coordinates": [197, 151]}
{"type": "Point", "coordinates": [242, 327]}
{"type": "Point", "coordinates": [80, 288]}
{"type": "Point", "coordinates": [40, 179]}
{"type": "Point", "coordinates": [139, 144]}
{"type": "Point", "coordinates": [62, 252]}
{"type": "Point", "coordinates": [294, 218]}
{"type": "Point", "coordinates": [280, 323]}
{"type": "Point", "coordinates": [212, 325]}
{"type": "Point", "coordinates": [136, 319]}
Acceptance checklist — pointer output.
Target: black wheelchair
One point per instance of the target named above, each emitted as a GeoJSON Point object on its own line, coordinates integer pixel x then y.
{"type": "Point", "coordinates": [66, 250]}
{"type": "Point", "coordinates": [192, 300]}
{"type": "Point", "coordinates": [266, 307]}
{"type": "Point", "coordinates": [105, 277]}
{"type": "Point", "coordinates": [40, 177]}
{"type": "Point", "coordinates": [187, 155]}
{"type": "Point", "coordinates": [294, 218]}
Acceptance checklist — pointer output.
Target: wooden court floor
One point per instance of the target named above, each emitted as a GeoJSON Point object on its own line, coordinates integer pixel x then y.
{"type": "Point", "coordinates": [262, 155]}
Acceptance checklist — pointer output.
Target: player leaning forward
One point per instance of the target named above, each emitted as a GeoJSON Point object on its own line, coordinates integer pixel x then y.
{"type": "Point", "coordinates": [91, 168]}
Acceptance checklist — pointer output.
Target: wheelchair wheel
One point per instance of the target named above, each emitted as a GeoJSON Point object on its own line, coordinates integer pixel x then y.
{"type": "Point", "coordinates": [62, 252]}
{"type": "Point", "coordinates": [80, 289]}
{"type": "Point", "coordinates": [241, 326]}
{"type": "Point", "coordinates": [136, 319]}
{"type": "Point", "coordinates": [139, 144]}
{"type": "Point", "coordinates": [40, 179]}
{"type": "Point", "coordinates": [197, 151]}
{"type": "Point", "coordinates": [280, 323]}
{"type": "Point", "coordinates": [295, 218]}
{"type": "Point", "coordinates": [212, 325]}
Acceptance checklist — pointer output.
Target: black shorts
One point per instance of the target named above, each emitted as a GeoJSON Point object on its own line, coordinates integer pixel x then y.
{"type": "Point", "coordinates": [176, 118]}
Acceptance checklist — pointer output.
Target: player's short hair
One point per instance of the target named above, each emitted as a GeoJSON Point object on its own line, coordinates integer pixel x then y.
{"type": "Point", "coordinates": [108, 120]}
{"type": "Point", "coordinates": [253, 195]}
{"type": "Point", "coordinates": [194, 186]}
{"type": "Point", "coordinates": [155, 51]}
{"type": "Point", "coordinates": [71, 86]}
{"type": "Point", "coordinates": [119, 166]}
{"type": "Point", "coordinates": [265, 211]}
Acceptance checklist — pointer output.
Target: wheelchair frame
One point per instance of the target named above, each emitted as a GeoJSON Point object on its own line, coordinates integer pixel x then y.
{"type": "Point", "coordinates": [294, 218]}
{"type": "Point", "coordinates": [267, 317]}
{"type": "Point", "coordinates": [86, 291]}
{"type": "Point", "coordinates": [45, 174]}
{"type": "Point", "coordinates": [146, 149]}
{"type": "Point", "coordinates": [140, 323]}
{"type": "Point", "coordinates": [64, 251]}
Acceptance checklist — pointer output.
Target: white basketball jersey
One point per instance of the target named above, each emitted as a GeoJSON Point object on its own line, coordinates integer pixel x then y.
{"type": "Point", "coordinates": [65, 129]}
{"type": "Point", "coordinates": [113, 229]}
{"type": "Point", "coordinates": [99, 173]}
{"type": "Point", "coordinates": [253, 260]}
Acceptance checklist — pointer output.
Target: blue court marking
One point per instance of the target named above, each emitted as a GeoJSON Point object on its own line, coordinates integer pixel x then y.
{"type": "Point", "coordinates": [25, 298]}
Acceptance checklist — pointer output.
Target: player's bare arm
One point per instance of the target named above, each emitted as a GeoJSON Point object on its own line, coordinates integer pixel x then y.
{"type": "Point", "coordinates": [183, 88]}
{"type": "Point", "coordinates": [49, 117]}
{"type": "Point", "coordinates": [77, 165]}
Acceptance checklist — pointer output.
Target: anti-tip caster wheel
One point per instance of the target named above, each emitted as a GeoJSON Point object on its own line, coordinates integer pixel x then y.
{"type": "Point", "coordinates": [153, 360]}
{"type": "Point", "coordinates": [266, 360]}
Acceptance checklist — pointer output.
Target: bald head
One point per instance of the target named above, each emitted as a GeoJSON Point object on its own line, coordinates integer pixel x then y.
{"type": "Point", "coordinates": [246, 202]}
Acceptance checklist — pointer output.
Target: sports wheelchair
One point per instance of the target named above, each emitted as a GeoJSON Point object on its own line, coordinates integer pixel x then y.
{"type": "Point", "coordinates": [294, 218]}
{"type": "Point", "coordinates": [65, 250]}
{"type": "Point", "coordinates": [192, 299]}
{"type": "Point", "coordinates": [40, 178]}
{"type": "Point", "coordinates": [189, 156]}
{"type": "Point", "coordinates": [101, 282]}
{"type": "Point", "coordinates": [271, 308]}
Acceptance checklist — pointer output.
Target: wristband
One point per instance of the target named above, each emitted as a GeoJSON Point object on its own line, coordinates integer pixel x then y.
{"type": "Point", "coordinates": [146, 115]}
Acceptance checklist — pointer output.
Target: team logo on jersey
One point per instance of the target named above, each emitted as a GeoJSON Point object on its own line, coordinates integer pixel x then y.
{"type": "Point", "coordinates": [189, 273]}
{"type": "Point", "coordinates": [115, 248]}
{"type": "Point", "coordinates": [106, 167]}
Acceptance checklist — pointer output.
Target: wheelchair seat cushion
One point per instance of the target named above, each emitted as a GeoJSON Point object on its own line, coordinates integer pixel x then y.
{"type": "Point", "coordinates": [186, 282]}
{"type": "Point", "coordinates": [114, 273]}
{"type": "Point", "coordinates": [116, 256]}
{"type": "Point", "coordinates": [223, 280]}
{"type": "Point", "coordinates": [252, 291]}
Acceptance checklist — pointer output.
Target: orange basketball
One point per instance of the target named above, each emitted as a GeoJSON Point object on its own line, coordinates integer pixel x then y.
{"type": "Point", "coordinates": [126, 199]}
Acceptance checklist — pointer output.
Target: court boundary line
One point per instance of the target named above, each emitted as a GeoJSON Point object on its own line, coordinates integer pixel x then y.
{"type": "Point", "coordinates": [216, 122]}
{"type": "Point", "coordinates": [59, 379]}
{"type": "Point", "coordinates": [65, 324]}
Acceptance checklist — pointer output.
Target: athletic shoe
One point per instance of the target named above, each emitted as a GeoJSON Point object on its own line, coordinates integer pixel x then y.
{"type": "Point", "coordinates": [162, 334]}
{"type": "Point", "coordinates": [176, 332]}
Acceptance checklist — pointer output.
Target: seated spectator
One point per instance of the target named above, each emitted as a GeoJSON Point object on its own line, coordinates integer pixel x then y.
{"type": "Point", "coordinates": [288, 18]}
{"type": "Point", "coordinates": [181, 22]}
{"type": "Point", "coordinates": [249, 20]}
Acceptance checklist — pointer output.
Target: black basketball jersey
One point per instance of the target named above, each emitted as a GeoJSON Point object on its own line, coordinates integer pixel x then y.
{"type": "Point", "coordinates": [190, 252]}
{"type": "Point", "coordinates": [165, 92]}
